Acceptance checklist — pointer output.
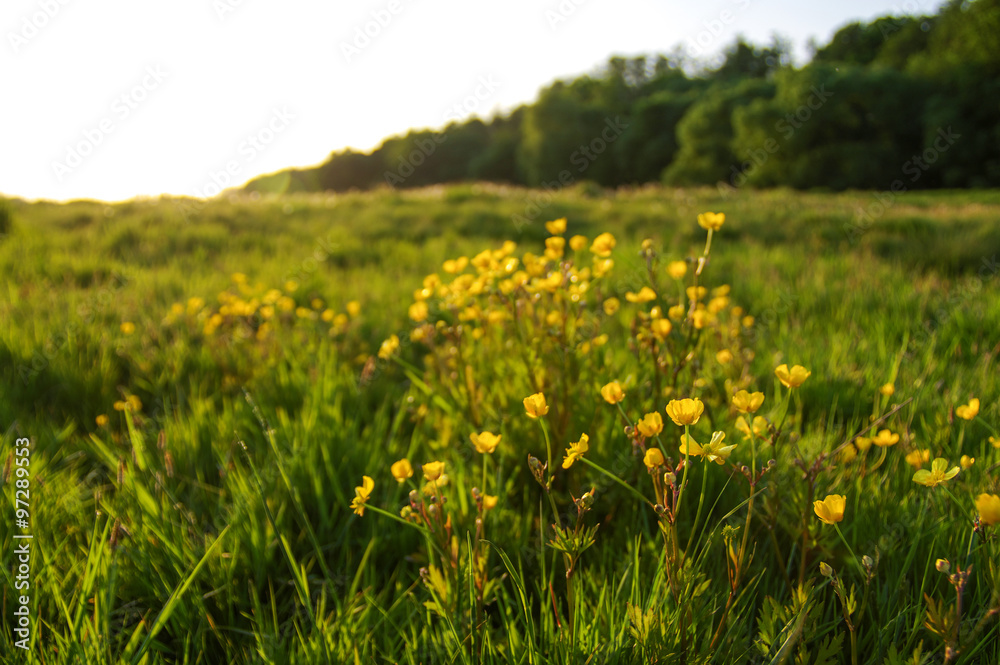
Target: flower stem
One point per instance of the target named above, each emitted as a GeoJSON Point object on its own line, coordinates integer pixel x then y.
{"type": "Point", "coordinates": [844, 540]}
{"type": "Point", "coordinates": [618, 480]}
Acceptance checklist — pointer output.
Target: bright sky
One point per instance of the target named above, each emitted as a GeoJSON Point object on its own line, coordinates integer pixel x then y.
{"type": "Point", "coordinates": [110, 99]}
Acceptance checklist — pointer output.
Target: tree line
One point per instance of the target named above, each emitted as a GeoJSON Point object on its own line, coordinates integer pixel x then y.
{"type": "Point", "coordinates": [908, 101]}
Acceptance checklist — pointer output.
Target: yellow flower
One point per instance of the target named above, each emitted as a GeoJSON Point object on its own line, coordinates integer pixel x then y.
{"type": "Point", "coordinates": [917, 458]}
{"type": "Point", "coordinates": [485, 442]}
{"type": "Point", "coordinates": [760, 426]}
{"type": "Point", "coordinates": [677, 269]}
{"type": "Point", "coordinates": [685, 411]}
{"type": "Point", "coordinates": [556, 226]}
{"type": "Point", "coordinates": [353, 308]}
{"type": "Point", "coordinates": [361, 494]}
{"type": "Point", "coordinates": [662, 327]}
{"type": "Point", "coordinates": [714, 451]}
{"type": "Point", "coordinates": [613, 393]}
{"type": "Point", "coordinates": [291, 286]}
{"type": "Point", "coordinates": [433, 470]}
{"type": "Point", "coordinates": [603, 244]}
{"type": "Point", "coordinates": [711, 220]}
{"type": "Point", "coordinates": [937, 474]}
{"type": "Point", "coordinates": [831, 509]}
{"type": "Point", "coordinates": [127, 327]}
{"type": "Point", "coordinates": [965, 411]}
{"type": "Point", "coordinates": [535, 406]}
{"type": "Point", "coordinates": [389, 347]}
{"type": "Point", "coordinates": [650, 425]}
{"type": "Point", "coordinates": [988, 506]}
{"type": "Point", "coordinates": [490, 501]}
{"type": "Point", "coordinates": [653, 458]}
{"type": "Point", "coordinates": [696, 292]}
{"type": "Point", "coordinates": [102, 420]}
{"type": "Point", "coordinates": [848, 454]}
{"type": "Point", "coordinates": [576, 451]}
{"type": "Point", "coordinates": [863, 443]}
{"type": "Point", "coordinates": [554, 248]}
{"type": "Point", "coordinates": [792, 378]}
{"type": "Point", "coordinates": [885, 438]}
{"type": "Point", "coordinates": [418, 311]}
{"type": "Point", "coordinates": [676, 312]}
{"type": "Point", "coordinates": [401, 470]}
{"type": "Point", "coordinates": [134, 403]}
{"type": "Point", "coordinates": [724, 357]}
{"type": "Point", "coordinates": [995, 441]}
{"type": "Point", "coordinates": [888, 390]}
{"type": "Point", "coordinates": [967, 462]}
{"type": "Point", "coordinates": [645, 295]}
{"type": "Point", "coordinates": [746, 402]}
{"type": "Point", "coordinates": [611, 306]}
{"type": "Point", "coordinates": [576, 243]}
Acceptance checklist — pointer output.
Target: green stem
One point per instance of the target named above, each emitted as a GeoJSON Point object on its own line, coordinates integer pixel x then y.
{"type": "Point", "coordinates": [378, 510]}
{"type": "Point", "coordinates": [687, 456]}
{"type": "Point", "coordinates": [844, 540]}
{"type": "Point", "coordinates": [618, 480]}
{"type": "Point", "coordinates": [701, 500]}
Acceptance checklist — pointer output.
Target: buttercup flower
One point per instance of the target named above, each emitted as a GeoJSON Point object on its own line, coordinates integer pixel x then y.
{"type": "Point", "coordinates": [888, 390]}
{"type": "Point", "coordinates": [433, 470]}
{"type": "Point", "coordinates": [792, 378]}
{"type": "Point", "coordinates": [711, 220]}
{"type": "Point", "coordinates": [685, 411]}
{"type": "Point", "coordinates": [650, 425]}
{"type": "Point", "coordinates": [535, 406]}
{"type": "Point", "coordinates": [576, 243]}
{"type": "Point", "coordinates": [831, 509]}
{"type": "Point", "coordinates": [677, 269]}
{"type": "Point", "coordinates": [746, 402]}
{"type": "Point", "coordinates": [917, 458]}
{"type": "Point", "coordinates": [101, 420]}
{"type": "Point", "coordinates": [714, 451]}
{"type": "Point", "coordinates": [603, 244]}
{"type": "Point", "coordinates": [389, 347]}
{"type": "Point", "coordinates": [401, 470]}
{"type": "Point", "coordinates": [968, 411]}
{"type": "Point", "coordinates": [967, 462]}
{"type": "Point", "coordinates": [645, 295]}
{"type": "Point", "coordinates": [995, 441]}
{"type": "Point", "coordinates": [885, 438]}
{"type": "Point", "coordinates": [485, 442]}
{"type": "Point", "coordinates": [653, 458]}
{"type": "Point", "coordinates": [988, 506]}
{"type": "Point", "coordinates": [127, 327]}
{"type": "Point", "coordinates": [576, 451]}
{"type": "Point", "coordinates": [759, 426]}
{"type": "Point", "coordinates": [937, 474]}
{"type": "Point", "coordinates": [361, 494]}
{"type": "Point", "coordinates": [612, 393]}
{"type": "Point", "coordinates": [863, 443]}
{"type": "Point", "coordinates": [556, 226]}
{"type": "Point", "coordinates": [611, 306]}
{"type": "Point", "coordinates": [490, 501]}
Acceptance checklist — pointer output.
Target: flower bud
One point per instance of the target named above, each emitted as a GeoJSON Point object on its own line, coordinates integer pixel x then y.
{"type": "Point", "coordinates": [825, 569]}
{"type": "Point", "coordinates": [943, 565]}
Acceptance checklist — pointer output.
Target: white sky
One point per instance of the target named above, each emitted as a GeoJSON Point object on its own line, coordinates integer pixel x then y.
{"type": "Point", "coordinates": [162, 96]}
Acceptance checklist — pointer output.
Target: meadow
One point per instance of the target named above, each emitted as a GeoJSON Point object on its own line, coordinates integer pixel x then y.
{"type": "Point", "coordinates": [443, 426]}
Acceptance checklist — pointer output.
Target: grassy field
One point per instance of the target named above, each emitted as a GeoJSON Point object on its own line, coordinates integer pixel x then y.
{"type": "Point", "coordinates": [205, 385]}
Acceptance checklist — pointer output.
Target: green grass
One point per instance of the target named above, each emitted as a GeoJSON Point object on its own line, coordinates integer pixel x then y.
{"type": "Point", "coordinates": [213, 524]}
